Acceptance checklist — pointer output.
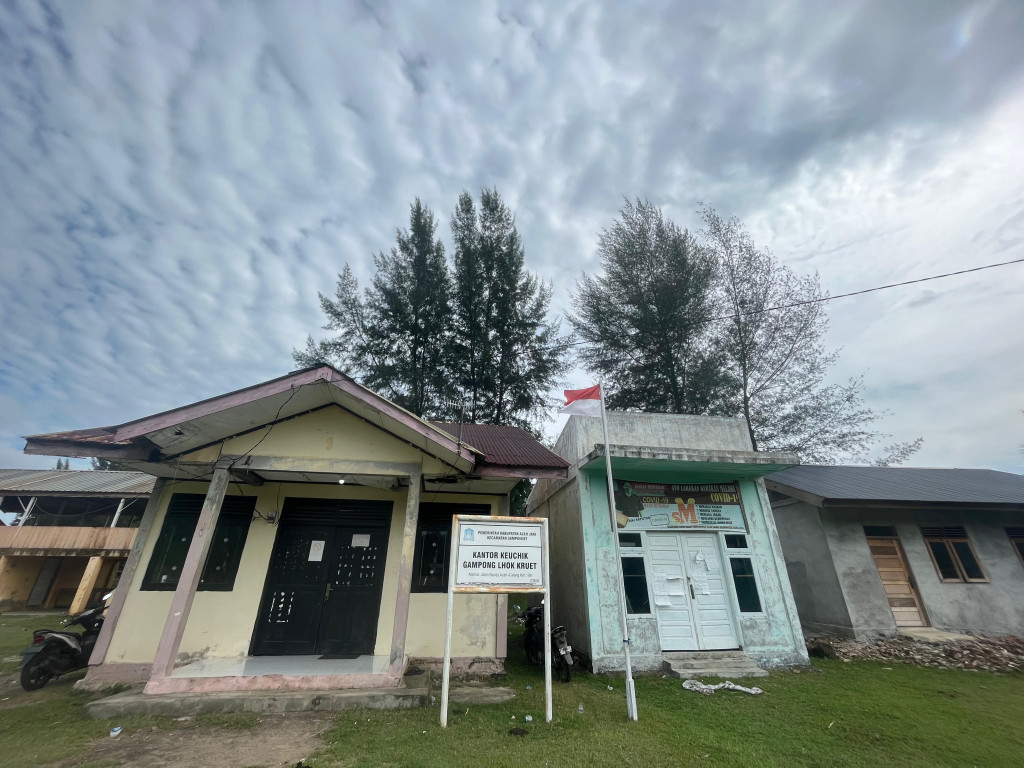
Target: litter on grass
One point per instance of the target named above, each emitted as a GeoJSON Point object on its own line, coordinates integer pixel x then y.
{"type": "Point", "coordinates": [707, 690]}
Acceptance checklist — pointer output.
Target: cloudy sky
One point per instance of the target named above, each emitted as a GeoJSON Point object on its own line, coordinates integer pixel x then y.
{"type": "Point", "coordinates": [178, 180]}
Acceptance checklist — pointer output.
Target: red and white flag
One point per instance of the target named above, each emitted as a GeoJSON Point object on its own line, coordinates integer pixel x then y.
{"type": "Point", "coordinates": [583, 402]}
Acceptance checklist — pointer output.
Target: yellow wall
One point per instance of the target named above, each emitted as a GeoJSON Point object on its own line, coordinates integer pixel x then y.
{"type": "Point", "coordinates": [17, 577]}
{"type": "Point", "coordinates": [330, 433]}
{"type": "Point", "coordinates": [69, 576]}
{"type": "Point", "coordinates": [221, 623]}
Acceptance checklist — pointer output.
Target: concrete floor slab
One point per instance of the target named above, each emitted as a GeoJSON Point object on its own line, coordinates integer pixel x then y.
{"type": "Point", "coordinates": [932, 635]}
{"type": "Point", "coordinates": [135, 702]}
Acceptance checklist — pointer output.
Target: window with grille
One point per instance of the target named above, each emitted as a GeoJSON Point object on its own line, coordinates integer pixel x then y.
{"type": "Point", "coordinates": [433, 543]}
{"type": "Point", "coordinates": [1017, 540]}
{"type": "Point", "coordinates": [952, 554]}
{"type": "Point", "coordinates": [175, 537]}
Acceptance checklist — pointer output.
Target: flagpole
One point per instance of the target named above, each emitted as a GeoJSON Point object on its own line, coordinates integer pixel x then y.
{"type": "Point", "coordinates": [630, 688]}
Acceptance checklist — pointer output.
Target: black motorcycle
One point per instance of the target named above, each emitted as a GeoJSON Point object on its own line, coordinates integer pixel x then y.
{"type": "Point", "coordinates": [561, 651]}
{"type": "Point", "coordinates": [54, 653]}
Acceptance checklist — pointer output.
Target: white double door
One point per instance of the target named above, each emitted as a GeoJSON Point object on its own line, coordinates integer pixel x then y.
{"type": "Point", "coordinates": [690, 592]}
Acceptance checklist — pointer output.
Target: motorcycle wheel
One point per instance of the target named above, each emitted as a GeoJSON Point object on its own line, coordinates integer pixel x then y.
{"type": "Point", "coordinates": [563, 670]}
{"type": "Point", "coordinates": [33, 676]}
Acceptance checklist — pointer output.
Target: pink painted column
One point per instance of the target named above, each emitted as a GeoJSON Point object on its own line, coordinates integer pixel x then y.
{"type": "Point", "coordinates": [124, 585]}
{"type": "Point", "coordinates": [412, 515]}
{"type": "Point", "coordinates": [184, 594]}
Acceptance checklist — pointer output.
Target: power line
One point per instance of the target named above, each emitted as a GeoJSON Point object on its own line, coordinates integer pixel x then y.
{"type": "Point", "coordinates": [866, 290]}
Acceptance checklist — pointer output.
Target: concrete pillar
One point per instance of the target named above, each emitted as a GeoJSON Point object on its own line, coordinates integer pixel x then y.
{"type": "Point", "coordinates": [86, 585]}
{"type": "Point", "coordinates": [412, 516]}
{"type": "Point", "coordinates": [99, 651]}
{"type": "Point", "coordinates": [184, 594]}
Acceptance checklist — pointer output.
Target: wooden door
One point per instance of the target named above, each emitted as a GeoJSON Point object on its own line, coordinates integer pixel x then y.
{"type": "Point", "coordinates": [324, 582]}
{"type": "Point", "coordinates": [710, 589]}
{"type": "Point", "coordinates": [673, 608]}
{"type": "Point", "coordinates": [892, 567]}
{"type": "Point", "coordinates": [352, 596]}
{"type": "Point", "coordinates": [289, 618]}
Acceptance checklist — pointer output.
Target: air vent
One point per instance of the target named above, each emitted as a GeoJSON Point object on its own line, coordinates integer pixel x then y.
{"type": "Point", "coordinates": [1015, 533]}
{"type": "Point", "coordinates": [880, 531]}
{"type": "Point", "coordinates": [944, 532]}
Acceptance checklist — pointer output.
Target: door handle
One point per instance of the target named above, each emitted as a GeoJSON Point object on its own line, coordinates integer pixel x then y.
{"type": "Point", "coordinates": [327, 594]}
{"type": "Point", "coordinates": [692, 595]}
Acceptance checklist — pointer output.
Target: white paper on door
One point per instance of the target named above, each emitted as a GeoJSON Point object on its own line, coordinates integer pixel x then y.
{"type": "Point", "coordinates": [316, 551]}
{"type": "Point", "coordinates": [675, 586]}
{"type": "Point", "coordinates": [360, 539]}
{"type": "Point", "coordinates": [700, 583]}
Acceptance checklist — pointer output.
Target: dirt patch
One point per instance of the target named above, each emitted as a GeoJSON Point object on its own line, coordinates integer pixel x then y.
{"type": "Point", "coordinates": [992, 654]}
{"type": "Point", "coordinates": [275, 740]}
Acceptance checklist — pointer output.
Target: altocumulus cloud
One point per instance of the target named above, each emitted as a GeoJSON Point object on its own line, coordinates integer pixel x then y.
{"type": "Point", "coordinates": [179, 180]}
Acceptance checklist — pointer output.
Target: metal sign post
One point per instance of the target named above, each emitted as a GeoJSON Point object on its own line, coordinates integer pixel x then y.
{"type": "Point", "coordinates": [498, 555]}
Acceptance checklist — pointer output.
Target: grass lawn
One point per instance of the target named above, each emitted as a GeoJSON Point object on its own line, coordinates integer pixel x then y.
{"type": "Point", "coordinates": [16, 635]}
{"type": "Point", "coordinates": [845, 714]}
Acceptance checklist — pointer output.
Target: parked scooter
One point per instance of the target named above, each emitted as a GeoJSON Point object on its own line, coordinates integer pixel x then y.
{"type": "Point", "coordinates": [561, 651]}
{"type": "Point", "coordinates": [54, 653]}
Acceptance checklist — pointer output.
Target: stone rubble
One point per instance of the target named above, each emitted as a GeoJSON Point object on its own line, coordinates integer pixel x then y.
{"type": "Point", "coordinates": [991, 654]}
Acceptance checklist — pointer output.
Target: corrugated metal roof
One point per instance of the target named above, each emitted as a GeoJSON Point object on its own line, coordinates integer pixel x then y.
{"type": "Point", "coordinates": [912, 484]}
{"type": "Point", "coordinates": [505, 446]}
{"type": "Point", "coordinates": [73, 482]}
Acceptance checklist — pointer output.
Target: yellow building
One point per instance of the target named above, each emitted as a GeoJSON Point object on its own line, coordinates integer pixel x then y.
{"type": "Point", "coordinates": [297, 537]}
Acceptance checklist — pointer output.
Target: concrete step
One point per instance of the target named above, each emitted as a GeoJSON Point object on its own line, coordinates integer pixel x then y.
{"type": "Point", "coordinates": [727, 674]}
{"type": "Point", "coordinates": [703, 655]}
{"type": "Point", "coordinates": [727, 664]}
{"type": "Point", "coordinates": [177, 704]}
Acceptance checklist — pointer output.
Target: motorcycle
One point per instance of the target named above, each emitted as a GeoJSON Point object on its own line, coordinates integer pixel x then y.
{"type": "Point", "coordinates": [561, 651]}
{"type": "Point", "coordinates": [55, 653]}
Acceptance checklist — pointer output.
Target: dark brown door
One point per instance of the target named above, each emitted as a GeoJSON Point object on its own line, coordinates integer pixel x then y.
{"type": "Point", "coordinates": [323, 588]}
{"type": "Point", "coordinates": [892, 567]}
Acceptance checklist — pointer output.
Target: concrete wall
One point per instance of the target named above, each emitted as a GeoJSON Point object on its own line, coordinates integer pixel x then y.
{"type": "Point", "coordinates": [69, 576]}
{"type": "Point", "coordinates": [568, 563]}
{"type": "Point", "coordinates": [994, 607]}
{"type": "Point", "coordinates": [653, 430]}
{"type": "Point", "coordinates": [330, 433]}
{"type": "Point", "coordinates": [772, 637]}
{"type": "Point", "coordinates": [221, 624]}
{"type": "Point", "coordinates": [17, 577]}
{"type": "Point", "coordinates": [817, 591]}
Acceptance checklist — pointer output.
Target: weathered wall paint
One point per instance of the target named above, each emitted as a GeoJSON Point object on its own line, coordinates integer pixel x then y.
{"type": "Point", "coordinates": [330, 433]}
{"type": "Point", "coordinates": [773, 637]}
{"type": "Point", "coordinates": [568, 564]}
{"type": "Point", "coordinates": [17, 577]}
{"type": "Point", "coordinates": [69, 576]}
{"type": "Point", "coordinates": [994, 607]}
{"type": "Point", "coordinates": [221, 624]}
{"type": "Point", "coordinates": [819, 596]}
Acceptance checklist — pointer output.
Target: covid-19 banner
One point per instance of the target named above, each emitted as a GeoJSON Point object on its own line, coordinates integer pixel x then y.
{"type": "Point", "coordinates": [714, 506]}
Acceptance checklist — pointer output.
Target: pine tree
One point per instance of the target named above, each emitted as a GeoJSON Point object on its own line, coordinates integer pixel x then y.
{"type": "Point", "coordinates": [646, 321]}
{"type": "Point", "coordinates": [505, 353]}
{"type": "Point", "coordinates": [395, 337]}
{"type": "Point", "coordinates": [775, 351]}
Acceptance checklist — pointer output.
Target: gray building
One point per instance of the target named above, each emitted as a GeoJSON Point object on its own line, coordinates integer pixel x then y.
{"type": "Point", "coordinates": [872, 549]}
{"type": "Point", "coordinates": [702, 565]}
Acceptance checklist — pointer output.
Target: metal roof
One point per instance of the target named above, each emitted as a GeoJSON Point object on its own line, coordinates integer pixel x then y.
{"type": "Point", "coordinates": [903, 484]}
{"type": "Point", "coordinates": [506, 446]}
{"type": "Point", "coordinates": [73, 482]}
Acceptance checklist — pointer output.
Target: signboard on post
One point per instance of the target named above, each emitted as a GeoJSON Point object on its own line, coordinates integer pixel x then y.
{"type": "Point", "coordinates": [498, 555]}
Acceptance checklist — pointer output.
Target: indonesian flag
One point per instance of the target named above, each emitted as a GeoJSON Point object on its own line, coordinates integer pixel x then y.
{"type": "Point", "coordinates": [584, 402]}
